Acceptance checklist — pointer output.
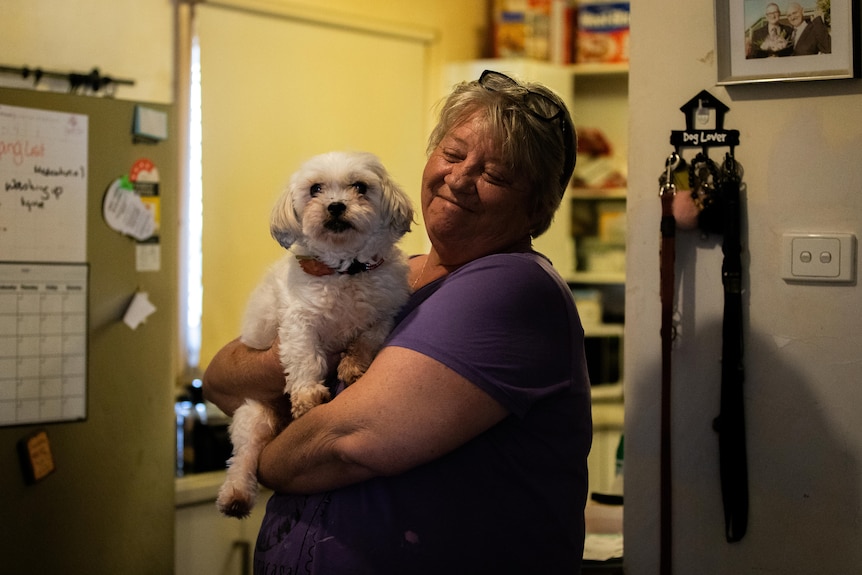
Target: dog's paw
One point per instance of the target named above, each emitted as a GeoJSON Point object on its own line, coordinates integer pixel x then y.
{"type": "Point", "coordinates": [301, 400]}
{"type": "Point", "coordinates": [350, 369]}
{"type": "Point", "coordinates": [234, 503]}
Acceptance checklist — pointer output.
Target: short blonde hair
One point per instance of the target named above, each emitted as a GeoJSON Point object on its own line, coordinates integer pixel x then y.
{"type": "Point", "coordinates": [544, 151]}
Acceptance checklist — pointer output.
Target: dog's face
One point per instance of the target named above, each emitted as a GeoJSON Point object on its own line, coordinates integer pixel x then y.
{"type": "Point", "coordinates": [342, 201]}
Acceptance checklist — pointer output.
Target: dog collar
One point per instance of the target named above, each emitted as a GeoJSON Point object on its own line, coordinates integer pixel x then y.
{"type": "Point", "coordinates": [315, 267]}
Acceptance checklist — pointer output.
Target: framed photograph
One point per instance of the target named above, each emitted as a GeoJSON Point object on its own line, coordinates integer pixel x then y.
{"type": "Point", "coordinates": [786, 40]}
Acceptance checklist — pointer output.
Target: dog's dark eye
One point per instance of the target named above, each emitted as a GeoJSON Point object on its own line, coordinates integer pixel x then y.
{"type": "Point", "coordinates": [361, 187]}
{"type": "Point", "coordinates": [315, 189]}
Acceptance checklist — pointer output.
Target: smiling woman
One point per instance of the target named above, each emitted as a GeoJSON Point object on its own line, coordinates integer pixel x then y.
{"type": "Point", "coordinates": [479, 395]}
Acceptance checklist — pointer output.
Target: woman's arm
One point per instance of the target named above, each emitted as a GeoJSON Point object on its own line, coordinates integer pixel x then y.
{"type": "Point", "coordinates": [406, 410]}
{"type": "Point", "coordinates": [238, 372]}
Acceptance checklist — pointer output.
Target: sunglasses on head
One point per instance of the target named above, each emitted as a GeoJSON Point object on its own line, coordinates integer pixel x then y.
{"type": "Point", "coordinates": [539, 106]}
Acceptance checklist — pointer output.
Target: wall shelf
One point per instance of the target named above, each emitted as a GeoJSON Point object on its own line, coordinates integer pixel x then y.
{"type": "Point", "coordinates": [608, 393]}
{"type": "Point", "coordinates": [600, 278]}
{"type": "Point", "coordinates": [604, 329]}
{"type": "Point", "coordinates": [598, 193]}
{"type": "Point", "coordinates": [589, 69]}
{"type": "Point", "coordinates": [599, 69]}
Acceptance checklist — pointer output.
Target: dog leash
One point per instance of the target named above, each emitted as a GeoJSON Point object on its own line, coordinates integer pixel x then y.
{"type": "Point", "coordinates": [730, 424]}
{"type": "Point", "coordinates": [711, 205]}
{"type": "Point", "coordinates": [667, 191]}
{"type": "Point", "coordinates": [716, 195]}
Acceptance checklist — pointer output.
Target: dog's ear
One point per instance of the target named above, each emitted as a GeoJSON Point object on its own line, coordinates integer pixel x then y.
{"type": "Point", "coordinates": [396, 206]}
{"type": "Point", "coordinates": [284, 224]}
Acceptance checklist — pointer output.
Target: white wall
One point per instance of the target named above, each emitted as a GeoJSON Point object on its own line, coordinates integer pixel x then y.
{"type": "Point", "coordinates": [800, 147]}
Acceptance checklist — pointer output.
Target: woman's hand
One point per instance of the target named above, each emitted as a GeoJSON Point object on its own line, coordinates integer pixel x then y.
{"type": "Point", "coordinates": [238, 372]}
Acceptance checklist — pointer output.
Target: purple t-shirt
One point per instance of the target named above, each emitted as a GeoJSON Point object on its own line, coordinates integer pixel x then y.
{"type": "Point", "coordinates": [510, 500]}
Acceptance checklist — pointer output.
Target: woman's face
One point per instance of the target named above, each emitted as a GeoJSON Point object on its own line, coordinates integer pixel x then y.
{"type": "Point", "coordinates": [473, 204]}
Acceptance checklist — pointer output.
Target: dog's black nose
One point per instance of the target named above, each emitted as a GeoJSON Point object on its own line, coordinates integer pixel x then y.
{"type": "Point", "coordinates": [336, 208]}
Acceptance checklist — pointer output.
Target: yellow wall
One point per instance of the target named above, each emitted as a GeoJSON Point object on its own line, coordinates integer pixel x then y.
{"type": "Point", "coordinates": [462, 23]}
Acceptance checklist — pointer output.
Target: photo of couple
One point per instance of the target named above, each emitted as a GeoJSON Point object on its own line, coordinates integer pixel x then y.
{"type": "Point", "coordinates": [796, 31]}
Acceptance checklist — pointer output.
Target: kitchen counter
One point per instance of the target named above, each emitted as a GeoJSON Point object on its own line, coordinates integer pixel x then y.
{"type": "Point", "coordinates": [197, 488]}
{"type": "Point", "coordinates": [207, 541]}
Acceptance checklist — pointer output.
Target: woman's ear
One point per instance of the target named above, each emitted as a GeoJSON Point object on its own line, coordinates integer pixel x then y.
{"type": "Point", "coordinates": [284, 224]}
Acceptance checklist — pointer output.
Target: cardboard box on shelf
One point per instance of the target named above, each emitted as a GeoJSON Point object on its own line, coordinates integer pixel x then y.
{"type": "Point", "coordinates": [562, 33]}
{"type": "Point", "coordinates": [509, 28]}
{"type": "Point", "coordinates": [602, 32]}
{"type": "Point", "coordinates": [536, 29]}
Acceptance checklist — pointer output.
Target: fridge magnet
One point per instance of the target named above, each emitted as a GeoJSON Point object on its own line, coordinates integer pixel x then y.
{"type": "Point", "coordinates": [37, 462]}
{"type": "Point", "coordinates": [765, 41]}
{"type": "Point", "coordinates": [144, 176]}
{"type": "Point", "coordinates": [150, 125]}
{"type": "Point", "coordinates": [124, 212]}
{"type": "Point", "coordinates": [145, 180]}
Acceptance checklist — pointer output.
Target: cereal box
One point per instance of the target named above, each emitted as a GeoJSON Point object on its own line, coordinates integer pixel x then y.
{"type": "Point", "coordinates": [509, 28]}
{"type": "Point", "coordinates": [602, 32]}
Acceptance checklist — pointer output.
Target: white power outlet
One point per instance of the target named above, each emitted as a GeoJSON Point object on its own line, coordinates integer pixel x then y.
{"type": "Point", "coordinates": [827, 258]}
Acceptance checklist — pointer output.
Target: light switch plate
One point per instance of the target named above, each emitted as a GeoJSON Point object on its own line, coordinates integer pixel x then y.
{"type": "Point", "coordinates": [826, 257]}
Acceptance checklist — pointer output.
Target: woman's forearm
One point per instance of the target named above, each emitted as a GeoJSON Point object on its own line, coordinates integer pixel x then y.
{"type": "Point", "coordinates": [238, 372]}
{"type": "Point", "coordinates": [308, 456]}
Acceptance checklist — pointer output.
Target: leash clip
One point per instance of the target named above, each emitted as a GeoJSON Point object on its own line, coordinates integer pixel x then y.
{"type": "Point", "coordinates": [667, 185]}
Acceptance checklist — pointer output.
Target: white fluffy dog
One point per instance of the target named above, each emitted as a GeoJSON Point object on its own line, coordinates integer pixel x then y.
{"type": "Point", "coordinates": [333, 296]}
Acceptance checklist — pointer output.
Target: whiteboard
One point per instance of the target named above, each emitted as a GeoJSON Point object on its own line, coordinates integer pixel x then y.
{"type": "Point", "coordinates": [43, 174]}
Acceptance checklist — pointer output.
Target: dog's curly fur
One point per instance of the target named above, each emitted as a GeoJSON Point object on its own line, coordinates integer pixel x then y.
{"type": "Point", "coordinates": [341, 215]}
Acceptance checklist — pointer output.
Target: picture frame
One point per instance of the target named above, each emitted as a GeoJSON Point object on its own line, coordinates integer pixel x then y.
{"type": "Point", "coordinates": [748, 51]}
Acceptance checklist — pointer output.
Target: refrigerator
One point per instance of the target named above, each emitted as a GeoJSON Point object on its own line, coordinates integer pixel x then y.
{"type": "Point", "coordinates": [89, 488]}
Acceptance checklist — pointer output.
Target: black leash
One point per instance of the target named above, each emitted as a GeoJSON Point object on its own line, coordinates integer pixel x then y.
{"type": "Point", "coordinates": [716, 193]}
{"type": "Point", "coordinates": [730, 424]}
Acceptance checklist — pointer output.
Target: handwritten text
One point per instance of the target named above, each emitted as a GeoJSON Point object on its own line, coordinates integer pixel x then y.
{"type": "Point", "coordinates": [19, 150]}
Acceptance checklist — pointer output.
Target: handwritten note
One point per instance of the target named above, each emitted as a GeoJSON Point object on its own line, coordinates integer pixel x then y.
{"type": "Point", "coordinates": [43, 185]}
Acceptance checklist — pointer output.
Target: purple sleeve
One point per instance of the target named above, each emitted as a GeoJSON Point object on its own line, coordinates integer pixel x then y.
{"type": "Point", "coordinates": [507, 323]}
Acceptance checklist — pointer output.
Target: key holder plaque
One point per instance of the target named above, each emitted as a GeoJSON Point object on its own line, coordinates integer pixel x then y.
{"type": "Point", "coordinates": [712, 197]}
{"type": "Point", "coordinates": [704, 125]}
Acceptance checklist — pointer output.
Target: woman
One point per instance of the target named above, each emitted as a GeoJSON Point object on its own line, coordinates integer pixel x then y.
{"type": "Point", "coordinates": [463, 448]}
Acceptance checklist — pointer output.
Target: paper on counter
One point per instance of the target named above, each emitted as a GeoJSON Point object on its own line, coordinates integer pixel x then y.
{"type": "Point", "coordinates": [139, 310]}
